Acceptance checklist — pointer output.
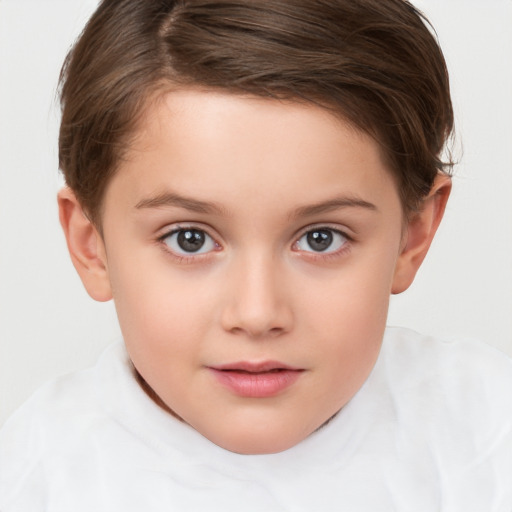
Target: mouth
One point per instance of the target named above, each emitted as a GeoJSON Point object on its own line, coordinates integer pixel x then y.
{"type": "Point", "coordinates": [256, 380]}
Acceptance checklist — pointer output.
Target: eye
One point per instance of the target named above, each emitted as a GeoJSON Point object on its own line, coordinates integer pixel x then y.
{"type": "Point", "coordinates": [324, 240]}
{"type": "Point", "coordinates": [189, 241]}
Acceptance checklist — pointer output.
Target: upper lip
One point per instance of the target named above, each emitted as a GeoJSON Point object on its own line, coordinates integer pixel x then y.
{"type": "Point", "coordinates": [255, 367]}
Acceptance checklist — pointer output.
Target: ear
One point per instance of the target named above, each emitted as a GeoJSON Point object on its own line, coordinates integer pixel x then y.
{"type": "Point", "coordinates": [420, 231]}
{"type": "Point", "coordinates": [85, 246]}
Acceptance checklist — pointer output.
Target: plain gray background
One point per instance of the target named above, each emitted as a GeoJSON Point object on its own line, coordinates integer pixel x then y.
{"type": "Point", "coordinates": [49, 326]}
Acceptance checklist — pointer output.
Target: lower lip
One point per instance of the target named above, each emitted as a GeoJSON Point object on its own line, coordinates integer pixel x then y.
{"type": "Point", "coordinates": [257, 385]}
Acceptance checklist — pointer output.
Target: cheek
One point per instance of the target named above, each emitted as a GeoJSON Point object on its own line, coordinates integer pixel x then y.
{"type": "Point", "coordinates": [161, 322]}
{"type": "Point", "coordinates": [158, 309]}
{"type": "Point", "coordinates": [165, 312]}
{"type": "Point", "coordinates": [357, 293]}
{"type": "Point", "coordinates": [349, 312]}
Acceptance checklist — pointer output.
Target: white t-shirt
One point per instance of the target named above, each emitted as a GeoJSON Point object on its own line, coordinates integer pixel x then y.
{"type": "Point", "coordinates": [430, 430]}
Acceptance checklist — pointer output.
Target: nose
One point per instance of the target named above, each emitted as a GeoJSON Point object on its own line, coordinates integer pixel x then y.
{"type": "Point", "coordinates": [257, 303]}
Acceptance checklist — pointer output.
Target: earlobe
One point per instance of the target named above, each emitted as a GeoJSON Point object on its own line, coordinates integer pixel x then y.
{"type": "Point", "coordinates": [419, 234]}
{"type": "Point", "coordinates": [85, 246]}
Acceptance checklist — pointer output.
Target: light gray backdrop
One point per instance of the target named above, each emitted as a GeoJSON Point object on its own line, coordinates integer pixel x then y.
{"type": "Point", "coordinates": [49, 326]}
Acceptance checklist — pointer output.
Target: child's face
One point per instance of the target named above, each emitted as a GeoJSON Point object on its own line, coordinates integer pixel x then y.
{"type": "Point", "coordinates": [251, 247]}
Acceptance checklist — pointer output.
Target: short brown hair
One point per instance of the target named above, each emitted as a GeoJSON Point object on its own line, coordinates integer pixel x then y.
{"type": "Point", "coordinates": [375, 62]}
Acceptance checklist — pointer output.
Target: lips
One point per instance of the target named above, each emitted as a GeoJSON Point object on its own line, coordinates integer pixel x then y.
{"type": "Point", "coordinates": [256, 379]}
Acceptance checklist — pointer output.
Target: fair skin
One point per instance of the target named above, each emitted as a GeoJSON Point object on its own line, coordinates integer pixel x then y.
{"type": "Point", "coordinates": [251, 247]}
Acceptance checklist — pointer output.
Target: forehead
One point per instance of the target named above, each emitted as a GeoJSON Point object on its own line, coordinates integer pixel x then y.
{"type": "Point", "coordinates": [209, 144]}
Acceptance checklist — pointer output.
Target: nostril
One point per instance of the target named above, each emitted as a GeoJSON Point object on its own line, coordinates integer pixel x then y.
{"type": "Point", "coordinates": [257, 333]}
{"type": "Point", "coordinates": [256, 308]}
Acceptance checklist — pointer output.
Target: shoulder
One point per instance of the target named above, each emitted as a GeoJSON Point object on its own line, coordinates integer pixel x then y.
{"type": "Point", "coordinates": [44, 428]}
{"type": "Point", "coordinates": [439, 413]}
{"type": "Point", "coordinates": [458, 393]}
{"type": "Point", "coordinates": [452, 365]}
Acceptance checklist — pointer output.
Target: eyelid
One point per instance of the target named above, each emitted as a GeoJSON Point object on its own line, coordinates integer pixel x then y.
{"type": "Point", "coordinates": [169, 229]}
{"type": "Point", "coordinates": [184, 257]}
{"type": "Point", "coordinates": [323, 255]}
{"type": "Point", "coordinates": [327, 226]}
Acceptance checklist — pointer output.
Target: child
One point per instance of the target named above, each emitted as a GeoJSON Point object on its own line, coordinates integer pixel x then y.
{"type": "Point", "coordinates": [250, 181]}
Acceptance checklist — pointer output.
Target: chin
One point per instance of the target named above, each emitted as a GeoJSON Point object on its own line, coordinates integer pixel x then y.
{"type": "Point", "coordinates": [257, 446]}
{"type": "Point", "coordinates": [257, 441]}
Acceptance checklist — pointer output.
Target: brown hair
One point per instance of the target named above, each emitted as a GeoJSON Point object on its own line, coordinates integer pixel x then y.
{"type": "Point", "coordinates": [375, 62]}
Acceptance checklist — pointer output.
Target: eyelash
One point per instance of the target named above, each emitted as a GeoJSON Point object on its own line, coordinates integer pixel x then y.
{"type": "Point", "coordinates": [310, 255]}
{"type": "Point", "coordinates": [182, 258]}
{"type": "Point", "coordinates": [324, 256]}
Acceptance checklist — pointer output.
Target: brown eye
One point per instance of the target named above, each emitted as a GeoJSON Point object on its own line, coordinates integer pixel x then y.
{"type": "Point", "coordinates": [321, 240]}
{"type": "Point", "coordinates": [189, 241]}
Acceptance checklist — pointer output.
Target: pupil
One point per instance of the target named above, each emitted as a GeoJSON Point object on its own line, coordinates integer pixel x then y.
{"type": "Point", "coordinates": [319, 240]}
{"type": "Point", "coordinates": [191, 240]}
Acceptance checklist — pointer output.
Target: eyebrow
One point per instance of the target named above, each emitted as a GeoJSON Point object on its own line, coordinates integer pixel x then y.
{"type": "Point", "coordinates": [169, 199]}
{"type": "Point", "coordinates": [331, 205]}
